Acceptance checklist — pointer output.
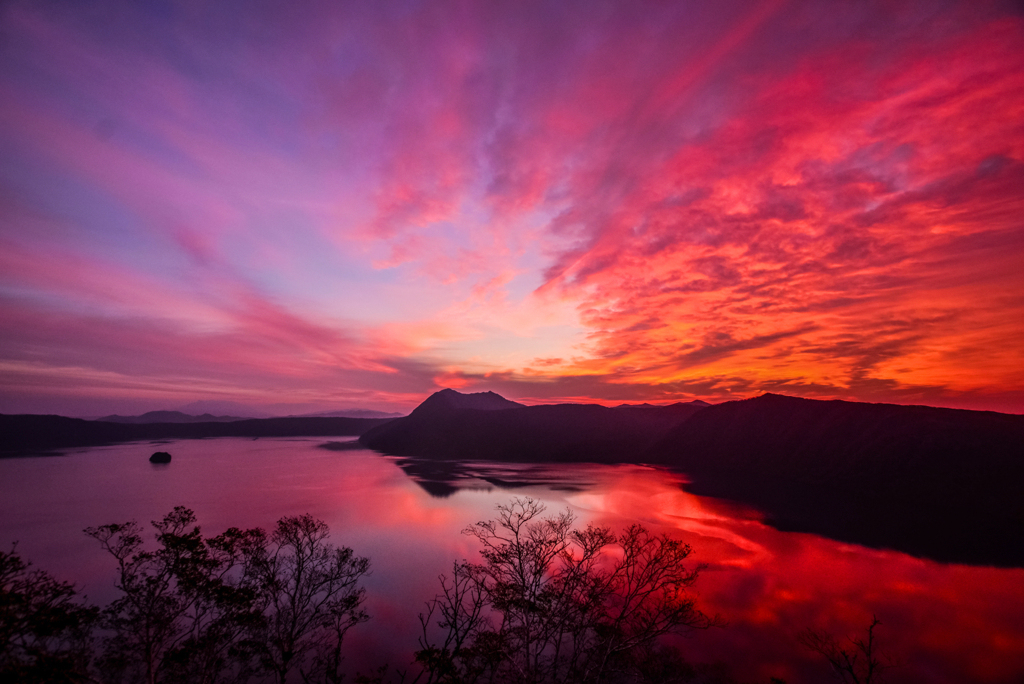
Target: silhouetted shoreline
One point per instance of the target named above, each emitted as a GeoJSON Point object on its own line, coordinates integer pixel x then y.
{"type": "Point", "coordinates": [937, 483]}
{"type": "Point", "coordinates": [27, 435]}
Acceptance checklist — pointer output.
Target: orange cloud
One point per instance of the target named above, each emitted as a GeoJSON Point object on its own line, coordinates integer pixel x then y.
{"type": "Point", "coordinates": [851, 232]}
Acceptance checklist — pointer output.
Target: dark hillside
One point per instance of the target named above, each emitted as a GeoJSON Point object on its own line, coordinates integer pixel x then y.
{"type": "Point", "coordinates": [943, 483]}
{"type": "Point", "coordinates": [28, 434]}
{"type": "Point", "coordinates": [940, 483]}
{"type": "Point", "coordinates": [443, 427]}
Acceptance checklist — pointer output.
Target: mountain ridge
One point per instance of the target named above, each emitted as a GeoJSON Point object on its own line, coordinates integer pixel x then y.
{"type": "Point", "coordinates": [448, 399]}
{"type": "Point", "coordinates": [168, 417]}
{"type": "Point", "coordinates": [449, 425]}
{"type": "Point", "coordinates": [934, 482]}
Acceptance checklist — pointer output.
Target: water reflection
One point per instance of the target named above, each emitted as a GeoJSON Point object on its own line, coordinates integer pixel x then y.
{"type": "Point", "coordinates": [947, 623]}
{"type": "Point", "coordinates": [442, 479]}
{"type": "Point", "coordinates": [944, 623]}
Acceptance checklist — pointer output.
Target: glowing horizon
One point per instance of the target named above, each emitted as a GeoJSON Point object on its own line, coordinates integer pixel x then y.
{"type": "Point", "coordinates": [357, 205]}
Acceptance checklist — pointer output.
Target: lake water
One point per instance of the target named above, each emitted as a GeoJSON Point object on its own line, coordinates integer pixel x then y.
{"type": "Point", "coordinates": [944, 623]}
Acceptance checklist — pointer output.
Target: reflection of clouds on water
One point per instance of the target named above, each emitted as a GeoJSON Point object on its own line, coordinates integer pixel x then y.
{"type": "Point", "coordinates": [950, 624]}
{"type": "Point", "coordinates": [442, 479]}
{"type": "Point", "coordinates": [947, 623]}
{"type": "Point", "coordinates": [608, 495]}
{"type": "Point", "coordinates": [655, 498]}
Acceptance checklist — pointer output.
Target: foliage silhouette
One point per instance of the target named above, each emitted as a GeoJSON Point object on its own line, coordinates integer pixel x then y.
{"type": "Point", "coordinates": [551, 603]}
{"type": "Point", "coordinates": [228, 607]}
{"type": "Point", "coordinates": [44, 628]}
{"type": "Point", "coordinates": [547, 603]}
{"type": "Point", "coordinates": [186, 607]}
{"type": "Point", "coordinates": [861, 664]}
{"type": "Point", "coordinates": [309, 598]}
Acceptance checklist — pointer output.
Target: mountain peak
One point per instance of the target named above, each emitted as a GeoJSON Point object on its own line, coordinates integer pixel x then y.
{"type": "Point", "coordinates": [481, 401]}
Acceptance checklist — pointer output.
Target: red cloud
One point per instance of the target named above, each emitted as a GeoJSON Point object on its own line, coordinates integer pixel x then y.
{"type": "Point", "coordinates": [854, 225]}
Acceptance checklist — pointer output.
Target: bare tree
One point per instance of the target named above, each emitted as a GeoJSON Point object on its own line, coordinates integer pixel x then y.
{"type": "Point", "coordinates": [459, 610]}
{"type": "Point", "coordinates": [858, 663]}
{"type": "Point", "coordinates": [551, 603]}
{"type": "Point", "coordinates": [310, 597]}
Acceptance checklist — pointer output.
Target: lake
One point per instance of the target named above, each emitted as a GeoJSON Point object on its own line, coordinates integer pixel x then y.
{"type": "Point", "coordinates": [943, 623]}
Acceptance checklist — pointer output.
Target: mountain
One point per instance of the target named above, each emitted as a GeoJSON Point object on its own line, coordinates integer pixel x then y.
{"type": "Point", "coordinates": [169, 417]}
{"type": "Point", "coordinates": [223, 407]}
{"type": "Point", "coordinates": [449, 399]}
{"type": "Point", "coordinates": [449, 425]}
{"type": "Point", "coordinates": [179, 417]}
{"type": "Point", "coordinates": [351, 413]}
{"type": "Point", "coordinates": [695, 402]}
{"type": "Point", "coordinates": [941, 483]}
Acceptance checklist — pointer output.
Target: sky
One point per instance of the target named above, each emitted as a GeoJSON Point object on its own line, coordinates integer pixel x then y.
{"type": "Point", "coordinates": [323, 205]}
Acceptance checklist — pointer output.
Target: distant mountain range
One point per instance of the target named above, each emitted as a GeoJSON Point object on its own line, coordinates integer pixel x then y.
{"type": "Point", "coordinates": [218, 407]}
{"type": "Point", "coordinates": [179, 417]}
{"type": "Point", "coordinates": [350, 413]}
{"type": "Point", "coordinates": [169, 417]}
{"type": "Point", "coordinates": [223, 408]}
{"type": "Point", "coordinates": [943, 483]}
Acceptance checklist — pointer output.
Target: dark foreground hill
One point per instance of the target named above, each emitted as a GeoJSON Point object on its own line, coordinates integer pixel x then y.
{"type": "Point", "coordinates": [485, 426]}
{"type": "Point", "coordinates": [28, 434]}
{"type": "Point", "coordinates": [941, 483]}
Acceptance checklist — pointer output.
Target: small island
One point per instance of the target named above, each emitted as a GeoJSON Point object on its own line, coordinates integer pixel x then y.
{"type": "Point", "coordinates": [160, 457]}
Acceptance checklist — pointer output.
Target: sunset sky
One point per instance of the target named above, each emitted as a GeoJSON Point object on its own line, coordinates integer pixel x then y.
{"type": "Point", "coordinates": [315, 206]}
